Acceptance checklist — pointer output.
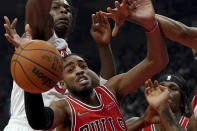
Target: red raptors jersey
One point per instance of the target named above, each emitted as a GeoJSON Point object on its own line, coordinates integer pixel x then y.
{"type": "Point", "coordinates": [105, 117]}
{"type": "Point", "coordinates": [183, 122]}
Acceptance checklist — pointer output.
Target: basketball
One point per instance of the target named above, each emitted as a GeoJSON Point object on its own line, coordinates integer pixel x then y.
{"type": "Point", "coordinates": [36, 66]}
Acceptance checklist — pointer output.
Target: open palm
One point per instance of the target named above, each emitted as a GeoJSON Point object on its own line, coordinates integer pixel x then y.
{"type": "Point", "coordinates": [100, 30]}
{"type": "Point", "coordinates": [12, 35]}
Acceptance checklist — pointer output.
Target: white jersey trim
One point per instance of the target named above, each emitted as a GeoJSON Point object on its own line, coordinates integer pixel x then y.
{"type": "Point", "coordinates": [88, 107]}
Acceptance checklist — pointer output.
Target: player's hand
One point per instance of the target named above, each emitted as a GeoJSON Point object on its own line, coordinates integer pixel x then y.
{"type": "Point", "coordinates": [156, 94]}
{"type": "Point", "coordinates": [151, 116]}
{"type": "Point", "coordinates": [142, 13]}
{"type": "Point", "coordinates": [139, 11]}
{"type": "Point", "coordinates": [12, 35]}
{"type": "Point", "coordinates": [118, 14]}
{"type": "Point", "coordinates": [100, 30]}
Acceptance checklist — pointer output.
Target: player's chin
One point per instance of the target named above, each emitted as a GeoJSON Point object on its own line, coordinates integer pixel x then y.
{"type": "Point", "coordinates": [61, 28]}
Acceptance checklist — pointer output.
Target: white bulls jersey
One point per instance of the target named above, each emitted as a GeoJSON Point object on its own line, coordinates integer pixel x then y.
{"type": "Point", "coordinates": [18, 120]}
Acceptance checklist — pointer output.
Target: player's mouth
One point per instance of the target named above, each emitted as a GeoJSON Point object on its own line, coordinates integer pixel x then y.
{"type": "Point", "coordinates": [83, 80]}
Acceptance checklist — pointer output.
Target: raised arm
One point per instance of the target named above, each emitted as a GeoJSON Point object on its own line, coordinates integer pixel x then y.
{"type": "Point", "coordinates": [44, 118]}
{"type": "Point", "coordinates": [156, 59]}
{"type": "Point", "coordinates": [178, 32]}
{"type": "Point", "coordinates": [39, 19]}
{"type": "Point", "coordinates": [101, 33]}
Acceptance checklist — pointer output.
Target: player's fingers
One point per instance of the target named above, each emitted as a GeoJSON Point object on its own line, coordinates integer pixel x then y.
{"type": "Point", "coordinates": [133, 5]}
{"type": "Point", "coordinates": [7, 29]}
{"type": "Point", "coordinates": [13, 25]}
{"type": "Point", "coordinates": [109, 15]}
{"type": "Point", "coordinates": [147, 91]}
{"type": "Point", "coordinates": [124, 2]}
{"type": "Point", "coordinates": [111, 10]}
{"type": "Point", "coordinates": [7, 21]}
{"type": "Point", "coordinates": [97, 17]}
{"type": "Point", "coordinates": [11, 40]}
{"type": "Point", "coordinates": [151, 83]}
{"type": "Point", "coordinates": [146, 84]}
{"type": "Point", "coordinates": [105, 20]}
{"type": "Point", "coordinates": [115, 30]}
{"type": "Point", "coordinates": [156, 84]}
{"type": "Point", "coordinates": [93, 19]}
{"type": "Point", "coordinates": [117, 4]}
{"type": "Point", "coordinates": [28, 31]}
{"type": "Point", "coordinates": [100, 17]}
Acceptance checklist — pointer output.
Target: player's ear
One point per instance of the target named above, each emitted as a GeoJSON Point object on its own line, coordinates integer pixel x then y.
{"type": "Point", "coordinates": [63, 84]}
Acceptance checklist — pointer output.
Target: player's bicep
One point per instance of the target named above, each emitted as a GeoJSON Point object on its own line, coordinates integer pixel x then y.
{"type": "Point", "coordinates": [60, 113]}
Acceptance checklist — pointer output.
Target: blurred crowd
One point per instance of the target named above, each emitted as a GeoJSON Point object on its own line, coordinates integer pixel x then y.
{"type": "Point", "coordinates": [129, 48]}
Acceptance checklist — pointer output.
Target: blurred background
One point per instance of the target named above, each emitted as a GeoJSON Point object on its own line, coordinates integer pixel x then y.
{"type": "Point", "coordinates": [129, 47]}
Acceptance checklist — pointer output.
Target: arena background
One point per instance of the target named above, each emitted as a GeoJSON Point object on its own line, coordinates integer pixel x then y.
{"type": "Point", "coordinates": [129, 47]}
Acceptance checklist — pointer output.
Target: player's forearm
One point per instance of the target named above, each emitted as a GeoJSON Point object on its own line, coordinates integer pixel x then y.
{"type": "Point", "coordinates": [38, 116]}
{"type": "Point", "coordinates": [135, 124]}
{"type": "Point", "coordinates": [107, 61]}
{"type": "Point", "coordinates": [39, 19]}
{"type": "Point", "coordinates": [177, 31]}
{"type": "Point", "coordinates": [168, 120]}
{"type": "Point", "coordinates": [156, 51]}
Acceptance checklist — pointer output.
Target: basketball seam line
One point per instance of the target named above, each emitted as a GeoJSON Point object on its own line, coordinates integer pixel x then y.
{"type": "Point", "coordinates": [37, 64]}
{"type": "Point", "coordinates": [28, 77]}
{"type": "Point", "coordinates": [16, 60]}
{"type": "Point", "coordinates": [40, 50]}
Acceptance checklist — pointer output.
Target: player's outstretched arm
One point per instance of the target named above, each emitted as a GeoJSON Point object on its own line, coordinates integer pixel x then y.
{"type": "Point", "coordinates": [178, 31]}
{"type": "Point", "coordinates": [44, 118]}
{"type": "Point", "coordinates": [39, 19]}
{"type": "Point", "coordinates": [101, 33]}
{"type": "Point", "coordinates": [156, 59]}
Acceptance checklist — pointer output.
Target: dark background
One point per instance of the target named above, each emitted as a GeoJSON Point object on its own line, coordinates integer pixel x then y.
{"type": "Point", "coordinates": [129, 47]}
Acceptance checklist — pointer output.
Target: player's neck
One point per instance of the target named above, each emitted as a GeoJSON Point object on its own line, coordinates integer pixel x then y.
{"type": "Point", "coordinates": [61, 35]}
{"type": "Point", "coordinates": [90, 98]}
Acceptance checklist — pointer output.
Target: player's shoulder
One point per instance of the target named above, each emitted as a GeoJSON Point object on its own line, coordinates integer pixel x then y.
{"type": "Point", "coordinates": [192, 125]}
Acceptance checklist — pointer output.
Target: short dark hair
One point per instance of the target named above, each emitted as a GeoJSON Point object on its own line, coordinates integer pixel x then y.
{"type": "Point", "coordinates": [65, 57]}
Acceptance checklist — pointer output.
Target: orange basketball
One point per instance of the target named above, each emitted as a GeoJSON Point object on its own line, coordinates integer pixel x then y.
{"type": "Point", "coordinates": [36, 66]}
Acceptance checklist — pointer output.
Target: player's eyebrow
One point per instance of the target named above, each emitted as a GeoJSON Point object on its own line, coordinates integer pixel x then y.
{"type": "Point", "coordinates": [70, 63]}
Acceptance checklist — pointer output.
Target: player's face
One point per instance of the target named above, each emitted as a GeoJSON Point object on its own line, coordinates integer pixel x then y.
{"type": "Point", "coordinates": [62, 15]}
{"type": "Point", "coordinates": [175, 95]}
{"type": "Point", "coordinates": [76, 74]}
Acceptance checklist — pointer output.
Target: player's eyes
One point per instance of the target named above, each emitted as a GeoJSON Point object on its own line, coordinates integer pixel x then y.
{"type": "Point", "coordinates": [83, 66]}
{"type": "Point", "coordinates": [173, 88]}
{"type": "Point", "coordinates": [55, 7]}
{"type": "Point", "coordinates": [67, 8]}
{"type": "Point", "coordinates": [70, 69]}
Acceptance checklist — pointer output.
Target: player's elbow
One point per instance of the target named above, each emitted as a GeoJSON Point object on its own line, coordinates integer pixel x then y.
{"type": "Point", "coordinates": [36, 125]}
{"type": "Point", "coordinates": [159, 63]}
